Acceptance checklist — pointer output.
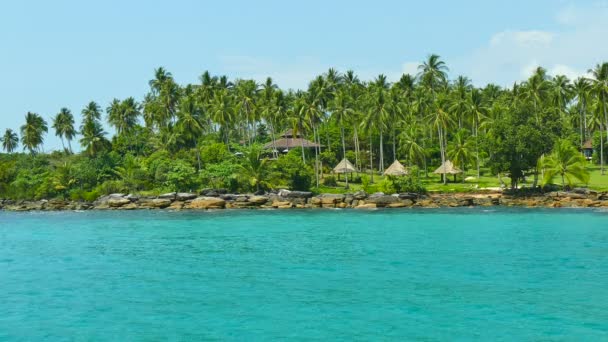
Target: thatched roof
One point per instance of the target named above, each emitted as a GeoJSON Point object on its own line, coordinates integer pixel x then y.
{"type": "Point", "coordinates": [396, 169]}
{"type": "Point", "coordinates": [588, 144]}
{"type": "Point", "coordinates": [344, 167]}
{"type": "Point", "coordinates": [289, 143]}
{"type": "Point", "coordinates": [448, 168]}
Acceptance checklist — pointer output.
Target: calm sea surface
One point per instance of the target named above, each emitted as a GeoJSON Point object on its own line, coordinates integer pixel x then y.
{"type": "Point", "coordinates": [301, 275]}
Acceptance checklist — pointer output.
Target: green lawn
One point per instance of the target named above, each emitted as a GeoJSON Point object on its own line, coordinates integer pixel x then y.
{"type": "Point", "coordinates": [433, 182]}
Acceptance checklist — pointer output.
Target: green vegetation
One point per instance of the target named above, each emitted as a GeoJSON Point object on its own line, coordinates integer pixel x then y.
{"type": "Point", "coordinates": [211, 135]}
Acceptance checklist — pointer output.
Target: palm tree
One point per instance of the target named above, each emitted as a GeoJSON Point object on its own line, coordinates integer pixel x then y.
{"type": "Point", "coordinates": [477, 111]}
{"type": "Point", "coordinates": [32, 132]}
{"type": "Point", "coordinates": [581, 90]}
{"type": "Point", "coordinates": [255, 167]}
{"type": "Point", "coordinates": [123, 115]}
{"type": "Point", "coordinates": [63, 123]}
{"type": "Point", "coordinates": [9, 140]}
{"type": "Point", "coordinates": [190, 123]}
{"type": "Point", "coordinates": [561, 93]}
{"type": "Point", "coordinates": [93, 137]}
{"type": "Point", "coordinates": [246, 91]}
{"type": "Point", "coordinates": [441, 120]}
{"type": "Point", "coordinates": [410, 147]}
{"type": "Point", "coordinates": [460, 149]}
{"type": "Point", "coordinates": [433, 72]}
{"type": "Point", "coordinates": [567, 162]}
{"type": "Point", "coordinates": [222, 112]}
{"type": "Point", "coordinates": [91, 112]}
{"type": "Point", "coordinates": [378, 112]}
{"type": "Point", "coordinates": [341, 109]}
{"type": "Point", "coordinates": [536, 89]}
{"type": "Point", "coordinates": [600, 89]}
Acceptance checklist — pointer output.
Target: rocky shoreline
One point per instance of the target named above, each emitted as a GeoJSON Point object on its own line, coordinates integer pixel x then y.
{"type": "Point", "coordinates": [285, 199]}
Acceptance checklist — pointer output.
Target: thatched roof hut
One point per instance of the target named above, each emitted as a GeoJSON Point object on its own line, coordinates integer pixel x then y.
{"type": "Point", "coordinates": [447, 169]}
{"type": "Point", "coordinates": [344, 167]}
{"type": "Point", "coordinates": [396, 169]}
{"type": "Point", "coordinates": [287, 141]}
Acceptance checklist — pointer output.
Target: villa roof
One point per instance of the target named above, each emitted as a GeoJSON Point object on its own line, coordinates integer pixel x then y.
{"type": "Point", "coordinates": [289, 143]}
{"type": "Point", "coordinates": [345, 166]}
{"type": "Point", "coordinates": [447, 168]}
{"type": "Point", "coordinates": [588, 144]}
{"type": "Point", "coordinates": [396, 169]}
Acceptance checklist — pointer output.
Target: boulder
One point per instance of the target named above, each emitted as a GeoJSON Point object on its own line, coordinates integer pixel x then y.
{"type": "Point", "coordinates": [360, 195]}
{"type": "Point", "coordinates": [281, 204]}
{"type": "Point", "coordinates": [169, 196]}
{"type": "Point", "coordinates": [117, 202]}
{"type": "Point", "coordinates": [160, 203]}
{"type": "Point", "coordinates": [185, 196]}
{"type": "Point", "coordinates": [409, 195]}
{"type": "Point", "coordinates": [258, 200]}
{"type": "Point", "coordinates": [213, 192]}
{"type": "Point", "coordinates": [207, 203]}
{"type": "Point", "coordinates": [332, 198]}
{"type": "Point", "coordinates": [228, 197]}
{"type": "Point", "coordinates": [132, 198]}
{"type": "Point", "coordinates": [241, 198]}
{"type": "Point", "coordinates": [382, 200]}
{"type": "Point", "coordinates": [176, 205]}
{"type": "Point", "coordinates": [297, 194]}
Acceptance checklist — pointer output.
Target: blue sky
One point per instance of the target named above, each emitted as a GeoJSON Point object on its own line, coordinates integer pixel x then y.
{"type": "Point", "coordinates": [67, 53]}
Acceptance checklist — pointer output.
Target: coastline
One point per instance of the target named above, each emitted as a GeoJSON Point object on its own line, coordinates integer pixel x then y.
{"type": "Point", "coordinates": [284, 199]}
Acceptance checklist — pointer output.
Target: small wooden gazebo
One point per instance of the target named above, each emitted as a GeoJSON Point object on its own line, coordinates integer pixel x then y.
{"type": "Point", "coordinates": [447, 168]}
{"type": "Point", "coordinates": [344, 166]}
{"type": "Point", "coordinates": [396, 169]}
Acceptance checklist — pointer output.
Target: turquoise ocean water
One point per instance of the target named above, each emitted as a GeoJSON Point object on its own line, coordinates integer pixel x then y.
{"type": "Point", "coordinates": [432, 275]}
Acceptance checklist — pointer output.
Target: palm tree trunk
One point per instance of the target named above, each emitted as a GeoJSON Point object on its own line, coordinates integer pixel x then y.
{"type": "Point", "coordinates": [476, 150]}
{"type": "Point", "coordinates": [442, 152]}
{"type": "Point", "coordinates": [356, 138]}
{"type": "Point", "coordinates": [62, 144]}
{"type": "Point", "coordinates": [70, 146]}
{"type": "Point", "coordinates": [601, 150]}
{"type": "Point", "coordinates": [394, 145]}
{"type": "Point", "coordinates": [381, 162]}
{"type": "Point", "coordinates": [606, 120]}
{"type": "Point", "coordinates": [314, 133]}
{"type": "Point", "coordinates": [371, 162]}
{"type": "Point", "coordinates": [344, 153]}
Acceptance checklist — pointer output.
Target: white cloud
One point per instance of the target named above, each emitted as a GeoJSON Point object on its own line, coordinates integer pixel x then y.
{"type": "Point", "coordinates": [575, 45]}
{"type": "Point", "coordinates": [522, 38]}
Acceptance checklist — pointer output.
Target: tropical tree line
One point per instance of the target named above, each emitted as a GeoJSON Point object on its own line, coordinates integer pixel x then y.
{"type": "Point", "coordinates": [423, 120]}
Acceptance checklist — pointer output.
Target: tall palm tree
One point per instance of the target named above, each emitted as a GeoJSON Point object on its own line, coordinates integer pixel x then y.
{"type": "Point", "coordinates": [222, 112]}
{"type": "Point", "coordinates": [63, 123]}
{"type": "Point", "coordinates": [441, 120]}
{"type": "Point", "coordinates": [460, 149]}
{"type": "Point", "coordinates": [536, 90]}
{"type": "Point", "coordinates": [255, 166]}
{"type": "Point", "coordinates": [91, 112]}
{"type": "Point", "coordinates": [561, 93]}
{"type": "Point", "coordinates": [9, 140]}
{"type": "Point", "coordinates": [599, 83]}
{"type": "Point", "coordinates": [190, 123]}
{"type": "Point", "coordinates": [581, 89]}
{"type": "Point", "coordinates": [477, 111]}
{"type": "Point", "coordinates": [410, 146]}
{"type": "Point", "coordinates": [32, 132]}
{"type": "Point", "coordinates": [341, 109]}
{"type": "Point", "coordinates": [93, 137]}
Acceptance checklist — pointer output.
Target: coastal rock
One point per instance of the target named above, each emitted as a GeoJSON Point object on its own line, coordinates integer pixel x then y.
{"type": "Point", "coordinates": [258, 200]}
{"type": "Point", "coordinates": [281, 204]}
{"type": "Point", "coordinates": [160, 203]}
{"type": "Point", "coordinates": [117, 202]}
{"type": "Point", "coordinates": [213, 192]}
{"type": "Point", "coordinates": [331, 198]}
{"type": "Point", "coordinates": [360, 195]}
{"type": "Point", "coordinates": [176, 205]}
{"type": "Point", "coordinates": [228, 197]}
{"type": "Point", "coordinates": [185, 196]}
{"type": "Point", "coordinates": [132, 198]}
{"type": "Point", "coordinates": [297, 194]}
{"type": "Point", "coordinates": [382, 200]}
{"type": "Point", "coordinates": [408, 195]}
{"type": "Point", "coordinates": [207, 203]}
{"type": "Point", "coordinates": [241, 198]}
{"type": "Point", "coordinates": [169, 196]}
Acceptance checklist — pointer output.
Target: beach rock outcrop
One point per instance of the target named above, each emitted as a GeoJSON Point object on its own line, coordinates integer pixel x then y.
{"type": "Point", "coordinates": [207, 202]}
{"type": "Point", "coordinates": [185, 196]}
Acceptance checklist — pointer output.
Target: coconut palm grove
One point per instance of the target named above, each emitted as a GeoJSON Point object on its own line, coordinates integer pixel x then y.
{"type": "Point", "coordinates": [545, 131]}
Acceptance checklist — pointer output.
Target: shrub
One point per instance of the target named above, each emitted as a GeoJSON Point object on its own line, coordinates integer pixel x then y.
{"type": "Point", "coordinates": [330, 181]}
